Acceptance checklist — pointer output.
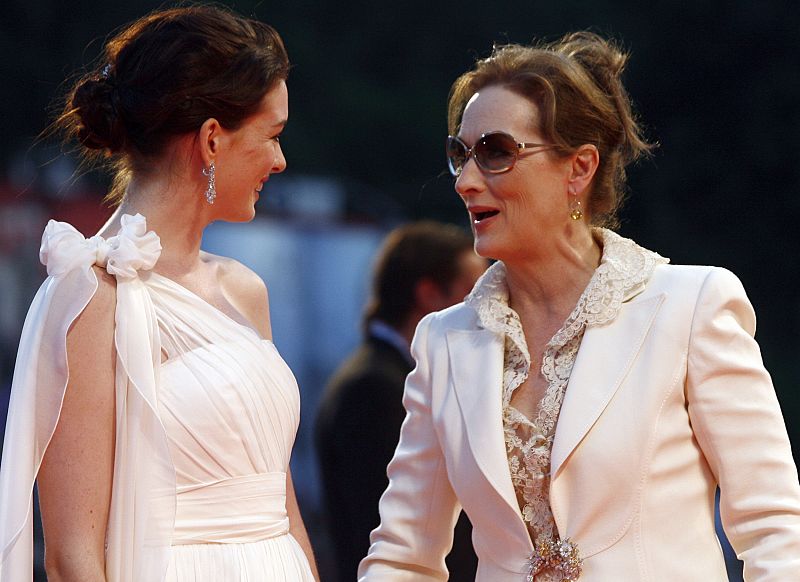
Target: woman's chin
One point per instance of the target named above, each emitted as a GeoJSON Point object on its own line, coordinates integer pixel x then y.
{"type": "Point", "coordinates": [488, 249]}
{"type": "Point", "coordinates": [238, 215]}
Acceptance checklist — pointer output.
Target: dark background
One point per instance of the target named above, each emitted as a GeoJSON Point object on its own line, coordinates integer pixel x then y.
{"type": "Point", "coordinates": [716, 84]}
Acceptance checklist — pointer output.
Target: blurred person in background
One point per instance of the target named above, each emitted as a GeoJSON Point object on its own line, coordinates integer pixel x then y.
{"type": "Point", "coordinates": [149, 403]}
{"type": "Point", "coordinates": [585, 401]}
{"type": "Point", "coordinates": [420, 268]}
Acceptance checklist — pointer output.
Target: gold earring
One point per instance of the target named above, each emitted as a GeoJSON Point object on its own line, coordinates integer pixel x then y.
{"type": "Point", "coordinates": [575, 212]}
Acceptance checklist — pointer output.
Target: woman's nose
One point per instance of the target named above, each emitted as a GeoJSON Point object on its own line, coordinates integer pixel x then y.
{"type": "Point", "coordinates": [470, 179]}
{"type": "Point", "coordinates": [279, 163]}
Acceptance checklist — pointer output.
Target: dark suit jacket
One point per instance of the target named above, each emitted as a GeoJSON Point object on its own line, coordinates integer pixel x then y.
{"type": "Point", "coordinates": [356, 433]}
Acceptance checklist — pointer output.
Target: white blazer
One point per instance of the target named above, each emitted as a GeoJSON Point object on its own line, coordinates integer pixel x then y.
{"type": "Point", "coordinates": [664, 403]}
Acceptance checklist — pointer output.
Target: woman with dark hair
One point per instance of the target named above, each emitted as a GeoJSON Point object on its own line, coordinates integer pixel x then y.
{"type": "Point", "coordinates": [586, 400]}
{"type": "Point", "coordinates": [149, 403]}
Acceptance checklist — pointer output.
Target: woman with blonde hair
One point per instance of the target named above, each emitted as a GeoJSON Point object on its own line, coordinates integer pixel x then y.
{"type": "Point", "coordinates": [585, 401]}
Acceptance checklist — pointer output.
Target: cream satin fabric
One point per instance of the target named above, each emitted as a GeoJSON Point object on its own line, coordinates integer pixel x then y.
{"type": "Point", "coordinates": [664, 403]}
{"type": "Point", "coordinates": [206, 414]}
{"type": "Point", "coordinates": [230, 407]}
{"type": "Point", "coordinates": [236, 510]}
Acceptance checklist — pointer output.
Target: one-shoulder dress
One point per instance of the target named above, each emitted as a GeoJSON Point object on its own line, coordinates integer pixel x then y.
{"type": "Point", "coordinates": [206, 415]}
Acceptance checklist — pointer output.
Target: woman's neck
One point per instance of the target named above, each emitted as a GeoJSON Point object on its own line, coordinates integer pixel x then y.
{"type": "Point", "coordinates": [173, 214]}
{"type": "Point", "coordinates": [551, 283]}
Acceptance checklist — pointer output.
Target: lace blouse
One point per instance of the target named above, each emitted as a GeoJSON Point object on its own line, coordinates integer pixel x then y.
{"type": "Point", "coordinates": [625, 268]}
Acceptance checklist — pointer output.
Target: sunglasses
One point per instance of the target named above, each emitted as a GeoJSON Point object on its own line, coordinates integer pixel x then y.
{"type": "Point", "coordinates": [495, 152]}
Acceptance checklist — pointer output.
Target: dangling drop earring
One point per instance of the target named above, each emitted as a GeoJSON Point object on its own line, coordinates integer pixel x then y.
{"type": "Point", "coordinates": [211, 191]}
{"type": "Point", "coordinates": [575, 212]}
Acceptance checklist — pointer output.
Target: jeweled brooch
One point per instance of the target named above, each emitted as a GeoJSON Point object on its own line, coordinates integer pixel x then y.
{"type": "Point", "coordinates": [559, 556]}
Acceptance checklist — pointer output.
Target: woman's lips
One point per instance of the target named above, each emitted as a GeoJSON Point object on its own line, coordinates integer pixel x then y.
{"type": "Point", "coordinates": [481, 214]}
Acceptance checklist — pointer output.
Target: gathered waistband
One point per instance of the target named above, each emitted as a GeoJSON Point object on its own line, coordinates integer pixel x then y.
{"type": "Point", "coordinates": [232, 511]}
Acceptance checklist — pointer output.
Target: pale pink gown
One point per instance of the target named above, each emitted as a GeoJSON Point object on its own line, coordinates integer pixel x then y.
{"type": "Point", "coordinates": [206, 415]}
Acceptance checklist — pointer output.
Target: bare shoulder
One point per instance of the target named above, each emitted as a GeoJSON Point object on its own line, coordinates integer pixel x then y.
{"type": "Point", "coordinates": [244, 289]}
{"type": "Point", "coordinates": [238, 280]}
{"type": "Point", "coordinates": [90, 339]}
{"type": "Point", "coordinates": [98, 316]}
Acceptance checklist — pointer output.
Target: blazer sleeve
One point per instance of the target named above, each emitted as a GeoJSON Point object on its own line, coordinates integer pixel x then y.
{"type": "Point", "coordinates": [738, 424]}
{"type": "Point", "coordinates": [419, 508]}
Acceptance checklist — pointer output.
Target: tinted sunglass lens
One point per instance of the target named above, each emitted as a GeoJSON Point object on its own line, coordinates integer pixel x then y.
{"type": "Point", "coordinates": [496, 152]}
{"type": "Point", "coordinates": [456, 154]}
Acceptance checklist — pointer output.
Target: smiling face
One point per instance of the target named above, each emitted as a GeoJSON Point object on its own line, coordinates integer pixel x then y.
{"type": "Point", "coordinates": [518, 214]}
{"type": "Point", "coordinates": [248, 155]}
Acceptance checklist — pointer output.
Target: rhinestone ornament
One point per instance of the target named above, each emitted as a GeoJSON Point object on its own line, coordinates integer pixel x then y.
{"type": "Point", "coordinates": [559, 556]}
{"type": "Point", "coordinates": [211, 191]}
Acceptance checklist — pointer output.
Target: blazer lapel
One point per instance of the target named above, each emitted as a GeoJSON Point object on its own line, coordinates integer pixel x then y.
{"type": "Point", "coordinates": [476, 361]}
{"type": "Point", "coordinates": [603, 361]}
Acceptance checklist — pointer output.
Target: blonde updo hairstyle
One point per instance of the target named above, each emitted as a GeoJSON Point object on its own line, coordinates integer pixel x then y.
{"type": "Point", "coordinates": [576, 86]}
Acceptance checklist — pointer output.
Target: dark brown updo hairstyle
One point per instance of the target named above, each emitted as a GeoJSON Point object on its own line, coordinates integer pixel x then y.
{"type": "Point", "coordinates": [576, 85]}
{"type": "Point", "coordinates": [163, 76]}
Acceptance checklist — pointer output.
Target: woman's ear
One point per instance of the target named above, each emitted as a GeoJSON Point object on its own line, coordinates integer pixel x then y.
{"type": "Point", "coordinates": [584, 165]}
{"type": "Point", "coordinates": [209, 137]}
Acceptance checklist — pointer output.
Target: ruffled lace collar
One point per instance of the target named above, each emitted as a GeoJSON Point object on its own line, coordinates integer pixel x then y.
{"type": "Point", "coordinates": [624, 270]}
{"type": "Point", "coordinates": [132, 250]}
